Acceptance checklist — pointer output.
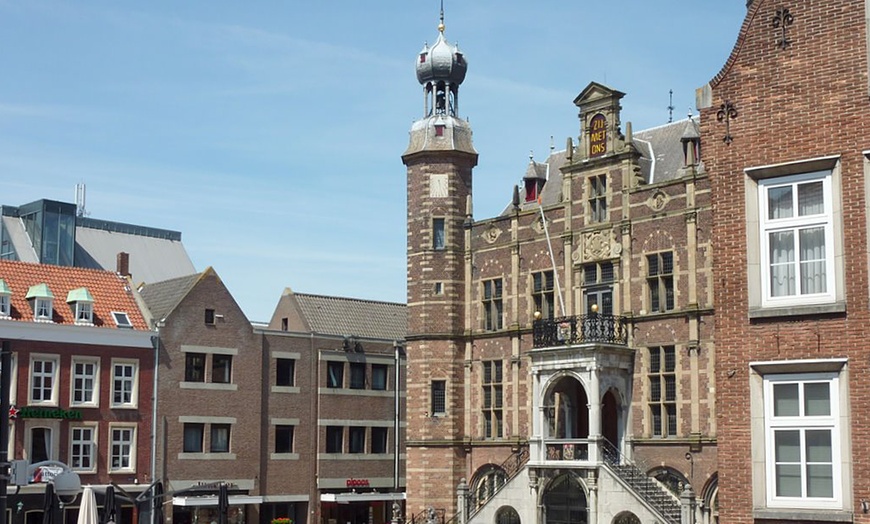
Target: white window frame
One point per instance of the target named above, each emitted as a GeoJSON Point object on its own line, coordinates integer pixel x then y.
{"type": "Point", "coordinates": [42, 309]}
{"type": "Point", "coordinates": [84, 313]}
{"type": "Point", "coordinates": [5, 306]}
{"type": "Point", "coordinates": [130, 448]}
{"type": "Point", "coordinates": [91, 443]}
{"type": "Point", "coordinates": [803, 423]}
{"type": "Point", "coordinates": [95, 377]}
{"type": "Point", "coordinates": [134, 390]}
{"type": "Point", "coordinates": [54, 430]}
{"type": "Point", "coordinates": [796, 223]}
{"type": "Point", "coordinates": [55, 375]}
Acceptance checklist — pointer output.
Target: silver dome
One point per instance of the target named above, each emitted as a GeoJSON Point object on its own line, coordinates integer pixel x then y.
{"type": "Point", "coordinates": [441, 62]}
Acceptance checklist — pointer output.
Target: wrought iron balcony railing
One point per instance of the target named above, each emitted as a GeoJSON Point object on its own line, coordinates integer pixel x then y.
{"type": "Point", "coordinates": [567, 331]}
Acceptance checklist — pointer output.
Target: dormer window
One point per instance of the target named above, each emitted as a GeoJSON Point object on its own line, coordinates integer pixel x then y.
{"type": "Point", "coordinates": [5, 299]}
{"type": "Point", "coordinates": [82, 304]}
{"type": "Point", "coordinates": [41, 299]}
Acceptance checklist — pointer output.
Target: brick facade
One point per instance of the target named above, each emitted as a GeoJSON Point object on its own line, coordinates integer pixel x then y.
{"type": "Point", "coordinates": [798, 80]}
{"type": "Point", "coordinates": [459, 332]}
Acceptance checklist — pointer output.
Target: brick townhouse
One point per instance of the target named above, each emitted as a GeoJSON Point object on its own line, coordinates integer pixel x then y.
{"type": "Point", "coordinates": [81, 392]}
{"type": "Point", "coordinates": [785, 126]}
{"type": "Point", "coordinates": [297, 418]}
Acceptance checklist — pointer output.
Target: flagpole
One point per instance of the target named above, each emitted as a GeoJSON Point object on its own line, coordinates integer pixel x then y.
{"type": "Point", "coordinates": [552, 259]}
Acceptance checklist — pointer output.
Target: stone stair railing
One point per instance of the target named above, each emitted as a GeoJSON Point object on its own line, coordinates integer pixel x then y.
{"type": "Point", "coordinates": [645, 486]}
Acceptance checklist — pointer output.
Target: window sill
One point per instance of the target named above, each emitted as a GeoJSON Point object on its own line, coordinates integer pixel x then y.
{"type": "Point", "coordinates": [284, 456]}
{"type": "Point", "coordinates": [804, 515]}
{"type": "Point", "coordinates": [797, 310]}
{"type": "Point", "coordinates": [285, 389]}
{"type": "Point", "coordinates": [209, 385]}
{"type": "Point", "coordinates": [206, 456]}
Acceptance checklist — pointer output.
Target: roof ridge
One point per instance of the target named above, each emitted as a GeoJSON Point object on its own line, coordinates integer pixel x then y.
{"type": "Point", "coordinates": [373, 301]}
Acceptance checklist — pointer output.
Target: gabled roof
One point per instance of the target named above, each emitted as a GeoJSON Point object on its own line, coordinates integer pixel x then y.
{"type": "Point", "coordinates": [162, 297]}
{"type": "Point", "coordinates": [354, 317]}
{"type": "Point", "coordinates": [110, 291]}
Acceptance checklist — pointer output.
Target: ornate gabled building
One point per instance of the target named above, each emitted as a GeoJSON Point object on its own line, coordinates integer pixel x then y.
{"type": "Point", "coordinates": [560, 355]}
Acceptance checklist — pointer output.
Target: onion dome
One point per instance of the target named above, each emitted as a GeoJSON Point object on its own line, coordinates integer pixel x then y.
{"type": "Point", "coordinates": [441, 62]}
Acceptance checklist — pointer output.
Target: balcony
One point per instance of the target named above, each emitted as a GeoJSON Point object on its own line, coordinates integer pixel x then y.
{"type": "Point", "coordinates": [582, 329]}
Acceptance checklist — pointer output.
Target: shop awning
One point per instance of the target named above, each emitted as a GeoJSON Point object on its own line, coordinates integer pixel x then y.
{"type": "Point", "coordinates": [212, 500]}
{"type": "Point", "coordinates": [359, 497]}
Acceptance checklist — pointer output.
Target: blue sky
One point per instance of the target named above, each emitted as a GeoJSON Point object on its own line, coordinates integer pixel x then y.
{"type": "Point", "coordinates": [270, 133]}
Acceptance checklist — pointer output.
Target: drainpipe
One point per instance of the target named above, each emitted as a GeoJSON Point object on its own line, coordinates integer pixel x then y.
{"type": "Point", "coordinates": [5, 383]}
{"type": "Point", "coordinates": [397, 354]}
{"type": "Point", "coordinates": [155, 341]}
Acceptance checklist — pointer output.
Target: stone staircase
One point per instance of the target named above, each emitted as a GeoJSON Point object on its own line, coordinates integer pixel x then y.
{"type": "Point", "coordinates": [647, 488]}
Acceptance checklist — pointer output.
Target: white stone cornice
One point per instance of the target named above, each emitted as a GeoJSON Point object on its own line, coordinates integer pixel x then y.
{"type": "Point", "coordinates": [13, 330]}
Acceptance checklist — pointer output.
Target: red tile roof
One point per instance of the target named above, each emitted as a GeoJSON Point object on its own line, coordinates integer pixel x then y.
{"type": "Point", "coordinates": [111, 292]}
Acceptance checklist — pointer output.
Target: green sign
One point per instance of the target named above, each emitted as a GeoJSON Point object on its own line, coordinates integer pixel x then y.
{"type": "Point", "coordinates": [28, 412]}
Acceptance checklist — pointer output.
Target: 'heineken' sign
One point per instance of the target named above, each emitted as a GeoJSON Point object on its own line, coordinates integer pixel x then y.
{"type": "Point", "coordinates": [31, 412]}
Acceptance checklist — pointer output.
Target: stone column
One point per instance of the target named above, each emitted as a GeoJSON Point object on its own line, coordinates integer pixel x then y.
{"type": "Point", "coordinates": [687, 506]}
{"type": "Point", "coordinates": [462, 501]}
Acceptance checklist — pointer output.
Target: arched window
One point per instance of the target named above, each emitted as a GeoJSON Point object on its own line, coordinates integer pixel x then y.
{"type": "Point", "coordinates": [670, 478]}
{"type": "Point", "coordinates": [565, 501]}
{"type": "Point", "coordinates": [507, 515]}
{"type": "Point", "coordinates": [488, 480]}
{"type": "Point", "coordinates": [626, 517]}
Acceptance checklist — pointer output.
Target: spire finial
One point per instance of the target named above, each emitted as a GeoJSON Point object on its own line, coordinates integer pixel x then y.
{"type": "Point", "coordinates": [441, 23]}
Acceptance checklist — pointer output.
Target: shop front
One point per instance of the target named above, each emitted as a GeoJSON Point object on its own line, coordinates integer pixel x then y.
{"type": "Point", "coordinates": [360, 508]}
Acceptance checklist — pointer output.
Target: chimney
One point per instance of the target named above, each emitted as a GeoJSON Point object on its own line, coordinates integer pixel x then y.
{"type": "Point", "coordinates": [123, 264]}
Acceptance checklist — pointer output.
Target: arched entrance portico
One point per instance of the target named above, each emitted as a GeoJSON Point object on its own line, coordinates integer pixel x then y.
{"type": "Point", "coordinates": [568, 410]}
{"type": "Point", "coordinates": [564, 501]}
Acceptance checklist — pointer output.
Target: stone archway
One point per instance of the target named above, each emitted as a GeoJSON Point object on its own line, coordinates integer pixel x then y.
{"type": "Point", "coordinates": [626, 517]}
{"type": "Point", "coordinates": [567, 410]}
{"type": "Point", "coordinates": [564, 501]}
{"type": "Point", "coordinates": [507, 515]}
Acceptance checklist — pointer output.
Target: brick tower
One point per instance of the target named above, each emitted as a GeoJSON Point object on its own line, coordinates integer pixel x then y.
{"type": "Point", "coordinates": [439, 159]}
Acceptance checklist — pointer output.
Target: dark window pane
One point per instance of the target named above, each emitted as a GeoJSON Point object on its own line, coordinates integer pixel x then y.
{"type": "Point", "coordinates": [283, 439]}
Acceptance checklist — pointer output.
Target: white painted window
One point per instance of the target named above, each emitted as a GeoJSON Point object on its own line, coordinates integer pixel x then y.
{"type": "Point", "coordinates": [5, 309]}
{"type": "Point", "coordinates": [43, 379]}
{"type": "Point", "coordinates": [85, 386]}
{"type": "Point", "coordinates": [42, 309]}
{"type": "Point", "coordinates": [802, 440]}
{"type": "Point", "coordinates": [796, 234]}
{"type": "Point", "coordinates": [122, 448]}
{"type": "Point", "coordinates": [125, 379]}
{"type": "Point", "coordinates": [82, 448]}
{"type": "Point", "coordinates": [84, 313]}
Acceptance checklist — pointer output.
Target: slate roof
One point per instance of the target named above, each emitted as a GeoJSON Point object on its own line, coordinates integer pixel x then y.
{"type": "Point", "coordinates": [152, 259]}
{"type": "Point", "coordinates": [350, 316]}
{"type": "Point", "coordinates": [162, 297]}
{"type": "Point", "coordinates": [155, 254]}
{"type": "Point", "coordinates": [662, 143]}
{"type": "Point", "coordinates": [110, 291]}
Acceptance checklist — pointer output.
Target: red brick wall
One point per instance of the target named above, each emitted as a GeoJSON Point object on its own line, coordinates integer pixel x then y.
{"type": "Point", "coordinates": [809, 100]}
